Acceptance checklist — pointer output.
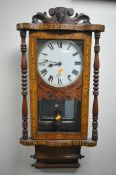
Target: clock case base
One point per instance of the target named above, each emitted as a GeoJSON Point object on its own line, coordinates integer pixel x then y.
{"type": "Point", "coordinates": [57, 153]}
{"type": "Point", "coordinates": [59, 157]}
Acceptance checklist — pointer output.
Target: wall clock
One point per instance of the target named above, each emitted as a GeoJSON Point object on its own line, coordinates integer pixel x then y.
{"type": "Point", "coordinates": [59, 77]}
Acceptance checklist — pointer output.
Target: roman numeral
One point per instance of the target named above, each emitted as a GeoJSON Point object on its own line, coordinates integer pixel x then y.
{"type": "Point", "coordinates": [44, 72]}
{"type": "Point", "coordinates": [59, 44]}
{"type": "Point", "coordinates": [69, 77]}
{"type": "Point", "coordinates": [74, 54]}
{"type": "Point", "coordinates": [77, 63]}
{"type": "Point", "coordinates": [50, 46]}
{"type": "Point", "coordinates": [50, 79]}
{"type": "Point", "coordinates": [59, 81]}
{"type": "Point", "coordinates": [69, 46]}
{"type": "Point", "coordinates": [75, 72]}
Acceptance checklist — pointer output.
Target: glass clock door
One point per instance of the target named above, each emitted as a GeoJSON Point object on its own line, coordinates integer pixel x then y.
{"type": "Point", "coordinates": [60, 66]}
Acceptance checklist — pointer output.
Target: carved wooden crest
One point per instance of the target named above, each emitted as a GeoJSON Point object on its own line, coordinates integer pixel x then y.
{"type": "Point", "coordinates": [61, 15]}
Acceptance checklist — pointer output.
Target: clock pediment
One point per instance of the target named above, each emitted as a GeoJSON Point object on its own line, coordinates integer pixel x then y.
{"type": "Point", "coordinates": [61, 15]}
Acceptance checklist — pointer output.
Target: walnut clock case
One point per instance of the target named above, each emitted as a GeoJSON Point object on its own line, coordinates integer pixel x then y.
{"type": "Point", "coordinates": [59, 78]}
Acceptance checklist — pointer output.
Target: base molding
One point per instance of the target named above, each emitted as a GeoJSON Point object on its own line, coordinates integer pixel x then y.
{"type": "Point", "coordinates": [58, 157]}
{"type": "Point", "coordinates": [58, 143]}
{"type": "Point", "coordinates": [40, 165]}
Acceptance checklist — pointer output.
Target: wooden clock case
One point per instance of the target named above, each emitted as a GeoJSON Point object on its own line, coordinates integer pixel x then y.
{"type": "Point", "coordinates": [59, 149]}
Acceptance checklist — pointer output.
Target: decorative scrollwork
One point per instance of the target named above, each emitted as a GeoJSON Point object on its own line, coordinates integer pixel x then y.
{"type": "Point", "coordinates": [61, 15]}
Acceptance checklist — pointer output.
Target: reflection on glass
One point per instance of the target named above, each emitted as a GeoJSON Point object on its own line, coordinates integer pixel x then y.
{"type": "Point", "coordinates": [69, 109]}
{"type": "Point", "coordinates": [63, 115]}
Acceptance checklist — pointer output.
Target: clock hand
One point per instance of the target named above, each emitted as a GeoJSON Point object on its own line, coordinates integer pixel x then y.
{"type": "Point", "coordinates": [50, 61]}
{"type": "Point", "coordinates": [56, 64]}
{"type": "Point", "coordinates": [42, 63]}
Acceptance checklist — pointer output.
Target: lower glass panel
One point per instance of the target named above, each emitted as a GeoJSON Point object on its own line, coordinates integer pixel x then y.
{"type": "Point", "coordinates": [61, 116]}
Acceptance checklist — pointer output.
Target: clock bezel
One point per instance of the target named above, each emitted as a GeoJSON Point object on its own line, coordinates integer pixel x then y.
{"type": "Point", "coordinates": [77, 78]}
{"type": "Point", "coordinates": [34, 87]}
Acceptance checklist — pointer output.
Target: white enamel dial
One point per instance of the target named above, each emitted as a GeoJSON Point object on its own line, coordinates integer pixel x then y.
{"type": "Point", "coordinates": [60, 62]}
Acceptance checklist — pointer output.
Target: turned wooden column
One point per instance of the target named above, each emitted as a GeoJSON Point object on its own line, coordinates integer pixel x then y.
{"type": "Point", "coordinates": [24, 85]}
{"type": "Point", "coordinates": [95, 87]}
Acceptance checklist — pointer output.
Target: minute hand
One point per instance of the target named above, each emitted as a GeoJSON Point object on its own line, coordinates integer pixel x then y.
{"type": "Point", "coordinates": [50, 61]}
{"type": "Point", "coordinates": [56, 64]}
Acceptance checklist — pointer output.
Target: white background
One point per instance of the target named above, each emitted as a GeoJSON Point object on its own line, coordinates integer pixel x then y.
{"type": "Point", "coordinates": [14, 158]}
